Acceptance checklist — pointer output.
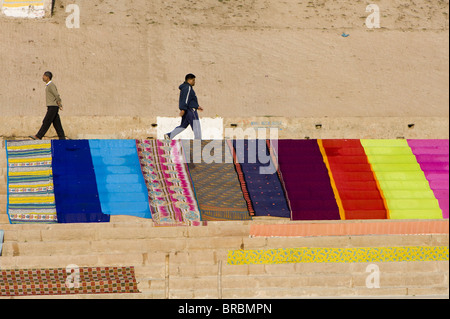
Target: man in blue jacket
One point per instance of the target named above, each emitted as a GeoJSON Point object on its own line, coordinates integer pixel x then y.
{"type": "Point", "coordinates": [188, 106]}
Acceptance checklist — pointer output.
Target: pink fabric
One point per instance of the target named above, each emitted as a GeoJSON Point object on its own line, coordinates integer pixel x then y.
{"type": "Point", "coordinates": [433, 158]}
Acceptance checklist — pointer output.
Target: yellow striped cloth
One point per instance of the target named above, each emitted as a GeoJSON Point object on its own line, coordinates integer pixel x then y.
{"type": "Point", "coordinates": [20, 4]}
{"type": "Point", "coordinates": [30, 182]}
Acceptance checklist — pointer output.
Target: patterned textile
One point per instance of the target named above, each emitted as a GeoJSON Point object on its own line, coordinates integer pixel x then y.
{"type": "Point", "coordinates": [170, 192]}
{"type": "Point", "coordinates": [30, 182]}
{"type": "Point", "coordinates": [216, 183]}
{"type": "Point", "coordinates": [76, 194]}
{"type": "Point", "coordinates": [260, 178]}
{"type": "Point", "coordinates": [60, 281]}
{"type": "Point", "coordinates": [121, 185]}
{"type": "Point", "coordinates": [338, 255]}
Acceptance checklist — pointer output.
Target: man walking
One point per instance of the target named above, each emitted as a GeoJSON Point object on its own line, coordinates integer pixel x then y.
{"type": "Point", "coordinates": [53, 102]}
{"type": "Point", "coordinates": [188, 105]}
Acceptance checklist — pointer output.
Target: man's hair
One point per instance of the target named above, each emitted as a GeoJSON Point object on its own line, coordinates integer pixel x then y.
{"type": "Point", "coordinates": [189, 76]}
{"type": "Point", "coordinates": [49, 74]}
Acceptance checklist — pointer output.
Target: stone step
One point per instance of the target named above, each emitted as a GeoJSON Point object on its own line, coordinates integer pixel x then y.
{"type": "Point", "coordinates": [43, 243]}
{"type": "Point", "coordinates": [147, 295]}
{"type": "Point", "coordinates": [4, 219]}
{"type": "Point", "coordinates": [195, 280]}
{"type": "Point", "coordinates": [143, 229]}
{"type": "Point", "coordinates": [314, 293]}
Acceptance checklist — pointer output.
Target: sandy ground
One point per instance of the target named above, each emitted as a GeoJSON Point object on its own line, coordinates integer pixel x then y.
{"type": "Point", "coordinates": [251, 58]}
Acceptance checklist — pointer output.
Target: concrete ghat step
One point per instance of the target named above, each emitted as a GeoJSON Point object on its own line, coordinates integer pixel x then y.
{"type": "Point", "coordinates": [281, 281]}
{"type": "Point", "coordinates": [231, 294]}
{"type": "Point", "coordinates": [154, 243]}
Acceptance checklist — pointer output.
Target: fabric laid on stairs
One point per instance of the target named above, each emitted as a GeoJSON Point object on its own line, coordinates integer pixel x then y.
{"type": "Point", "coordinates": [215, 180]}
{"type": "Point", "coordinates": [31, 196]}
{"type": "Point", "coordinates": [433, 158]}
{"type": "Point", "coordinates": [258, 176]}
{"type": "Point", "coordinates": [67, 281]}
{"type": "Point", "coordinates": [354, 179]}
{"type": "Point", "coordinates": [306, 180]}
{"type": "Point", "coordinates": [120, 183]}
{"type": "Point", "coordinates": [402, 182]}
{"type": "Point", "coordinates": [76, 194]}
{"type": "Point", "coordinates": [169, 188]}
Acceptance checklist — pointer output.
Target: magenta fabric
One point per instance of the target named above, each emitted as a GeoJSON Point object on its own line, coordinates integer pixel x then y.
{"type": "Point", "coordinates": [433, 158]}
{"type": "Point", "coordinates": [306, 180]}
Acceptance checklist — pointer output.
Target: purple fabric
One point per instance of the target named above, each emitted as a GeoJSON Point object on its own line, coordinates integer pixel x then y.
{"type": "Point", "coordinates": [432, 156]}
{"type": "Point", "coordinates": [306, 180]}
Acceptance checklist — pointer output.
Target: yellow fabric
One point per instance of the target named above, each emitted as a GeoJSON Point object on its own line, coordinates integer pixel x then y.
{"type": "Point", "coordinates": [403, 184]}
{"type": "Point", "coordinates": [338, 255]}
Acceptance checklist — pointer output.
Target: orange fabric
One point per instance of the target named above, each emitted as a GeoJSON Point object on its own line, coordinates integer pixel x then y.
{"type": "Point", "coordinates": [333, 184]}
{"type": "Point", "coordinates": [390, 227]}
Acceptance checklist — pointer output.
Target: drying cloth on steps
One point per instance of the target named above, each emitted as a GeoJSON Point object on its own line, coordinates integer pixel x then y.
{"type": "Point", "coordinates": [120, 183]}
{"type": "Point", "coordinates": [215, 180]}
{"type": "Point", "coordinates": [69, 281]}
{"type": "Point", "coordinates": [354, 179]}
{"type": "Point", "coordinates": [259, 177]}
{"type": "Point", "coordinates": [169, 187]}
{"type": "Point", "coordinates": [23, 8]}
{"type": "Point", "coordinates": [30, 182]}
{"type": "Point", "coordinates": [402, 182]}
{"type": "Point", "coordinates": [354, 228]}
{"type": "Point", "coordinates": [433, 158]}
{"type": "Point", "coordinates": [338, 255]}
{"type": "Point", "coordinates": [306, 180]}
{"type": "Point", "coordinates": [76, 194]}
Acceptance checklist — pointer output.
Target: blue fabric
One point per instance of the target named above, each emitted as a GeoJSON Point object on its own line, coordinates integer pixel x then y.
{"type": "Point", "coordinates": [265, 189]}
{"type": "Point", "coordinates": [75, 188]}
{"type": "Point", "coordinates": [120, 182]}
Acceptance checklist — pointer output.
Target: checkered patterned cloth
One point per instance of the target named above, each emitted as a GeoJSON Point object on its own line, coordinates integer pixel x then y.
{"type": "Point", "coordinates": [73, 280]}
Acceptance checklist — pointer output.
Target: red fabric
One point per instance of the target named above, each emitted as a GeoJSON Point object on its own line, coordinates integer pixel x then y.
{"type": "Point", "coordinates": [354, 179]}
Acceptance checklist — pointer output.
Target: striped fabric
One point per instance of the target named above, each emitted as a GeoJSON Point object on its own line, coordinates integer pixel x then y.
{"type": "Point", "coordinates": [23, 8]}
{"type": "Point", "coordinates": [30, 182]}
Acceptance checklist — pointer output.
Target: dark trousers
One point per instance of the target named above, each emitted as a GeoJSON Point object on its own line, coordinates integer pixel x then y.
{"type": "Point", "coordinates": [191, 118]}
{"type": "Point", "coordinates": [52, 117]}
